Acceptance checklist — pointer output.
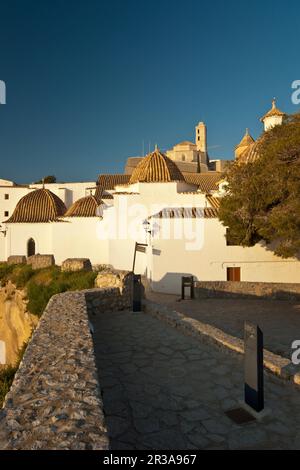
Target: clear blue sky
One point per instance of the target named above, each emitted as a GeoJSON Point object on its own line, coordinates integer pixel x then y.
{"type": "Point", "coordinates": [88, 81]}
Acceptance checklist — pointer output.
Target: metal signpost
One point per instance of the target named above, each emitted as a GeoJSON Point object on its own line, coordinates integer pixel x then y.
{"type": "Point", "coordinates": [137, 293]}
{"type": "Point", "coordinates": [254, 367]}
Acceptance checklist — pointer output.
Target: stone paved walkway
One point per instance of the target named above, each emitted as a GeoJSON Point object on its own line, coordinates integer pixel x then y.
{"type": "Point", "coordinates": [279, 319]}
{"type": "Point", "coordinates": [164, 390]}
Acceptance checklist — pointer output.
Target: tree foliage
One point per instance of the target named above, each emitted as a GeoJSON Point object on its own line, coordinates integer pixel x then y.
{"type": "Point", "coordinates": [47, 180]}
{"type": "Point", "coordinates": [263, 198]}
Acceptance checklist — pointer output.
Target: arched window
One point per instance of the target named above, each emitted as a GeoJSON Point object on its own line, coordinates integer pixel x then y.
{"type": "Point", "coordinates": [30, 247]}
{"type": "Point", "coordinates": [183, 157]}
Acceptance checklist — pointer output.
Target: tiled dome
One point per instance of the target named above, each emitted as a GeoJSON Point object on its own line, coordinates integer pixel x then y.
{"type": "Point", "coordinates": [156, 168]}
{"type": "Point", "coordinates": [251, 154]}
{"type": "Point", "coordinates": [40, 205]}
{"type": "Point", "coordinates": [84, 207]}
{"type": "Point", "coordinates": [246, 140]}
{"type": "Point", "coordinates": [274, 111]}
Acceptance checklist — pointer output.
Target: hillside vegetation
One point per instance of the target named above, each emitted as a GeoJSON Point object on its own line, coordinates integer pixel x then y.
{"type": "Point", "coordinates": [41, 284]}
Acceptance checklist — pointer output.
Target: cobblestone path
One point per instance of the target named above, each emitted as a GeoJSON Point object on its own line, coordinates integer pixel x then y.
{"type": "Point", "coordinates": [164, 390]}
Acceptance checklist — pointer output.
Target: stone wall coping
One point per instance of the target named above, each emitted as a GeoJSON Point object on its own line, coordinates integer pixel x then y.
{"type": "Point", "coordinates": [274, 363]}
{"type": "Point", "coordinates": [247, 289]}
{"type": "Point", "coordinates": [55, 400]}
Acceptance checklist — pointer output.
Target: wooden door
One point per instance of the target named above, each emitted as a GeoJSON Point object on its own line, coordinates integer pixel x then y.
{"type": "Point", "coordinates": [234, 274]}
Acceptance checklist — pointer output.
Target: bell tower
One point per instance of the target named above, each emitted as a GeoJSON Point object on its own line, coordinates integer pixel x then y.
{"type": "Point", "coordinates": [201, 137]}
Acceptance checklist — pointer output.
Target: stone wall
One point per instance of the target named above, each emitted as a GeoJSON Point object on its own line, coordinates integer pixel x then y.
{"type": "Point", "coordinates": [41, 261]}
{"type": "Point", "coordinates": [16, 259]}
{"type": "Point", "coordinates": [76, 264]}
{"type": "Point", "coordinates": [55, 400]}
{"type": "Point", "coordinates": [247, 290]}
{"type": "Point", "coordinates": [120, 280]}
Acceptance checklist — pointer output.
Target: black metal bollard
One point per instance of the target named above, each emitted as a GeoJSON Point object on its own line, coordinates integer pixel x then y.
{"type": "Point", "coordinates": [187, 281]}
{"type": "Point", "coordinates": [137, 293]}
{"type": "Point", "coordinates": [254, 367]}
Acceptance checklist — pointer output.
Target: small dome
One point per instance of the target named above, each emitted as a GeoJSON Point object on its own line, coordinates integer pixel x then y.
{"type": "Point", "coordinates": [246, 140]}
{"type": "Point", "coordinates": [156, 168]}
{"type": "Point", "coordinates": [84, 207]}
{"type": "Point", "coordinates": [273, 111]}
{"type": "Point", "coordinates": [40, 205]}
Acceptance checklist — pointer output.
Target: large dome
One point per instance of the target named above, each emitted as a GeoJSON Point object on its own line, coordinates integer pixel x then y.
{"type": "Point", "coordinates": [84, 207]}
{"type": "Point", "coordinates": [40, 205]}
{"type": "Point", "coordinates": [156, 168]}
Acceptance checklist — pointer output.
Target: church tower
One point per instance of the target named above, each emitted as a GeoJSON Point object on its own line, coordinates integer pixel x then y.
{"type": "Point", "coordinates": [201, 138]}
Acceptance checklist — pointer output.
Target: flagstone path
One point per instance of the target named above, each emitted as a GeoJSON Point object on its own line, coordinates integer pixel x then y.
{"type": "Point", "coordinates": [164, 390]}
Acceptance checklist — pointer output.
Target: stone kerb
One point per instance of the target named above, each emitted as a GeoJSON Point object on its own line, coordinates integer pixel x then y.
{"type": "Point", "coordinates": [55, 400]}
{"type": "Point", "coordinates": [274, 363]}
{"type": "Point", "coordinates": [248, 290]}
{"type": "Point", "coordinates": [41, 261]}
{"type": "Point", "coordinates": [76, 264]}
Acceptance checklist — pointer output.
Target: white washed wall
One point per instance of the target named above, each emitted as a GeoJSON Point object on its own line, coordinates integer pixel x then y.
{"type": "Point", "coordinates": [171, 260]}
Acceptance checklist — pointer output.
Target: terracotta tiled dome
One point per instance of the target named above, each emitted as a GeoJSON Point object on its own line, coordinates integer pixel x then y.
{"type": "Point", "coordinates": [251, 154]}
{"type": "Point", "coordinates": [246, 140]}
{"type": "Point", "coordinates": [156, 168]}
{"type": "Point", "coordinates": [84, 207]}
{"type": "Point", "coordinates": [40, 205]}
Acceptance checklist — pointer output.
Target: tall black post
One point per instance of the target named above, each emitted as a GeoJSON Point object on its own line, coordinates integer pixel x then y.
{"type": "Point", "coordinates": [254, 367]}
{"type": "Point", "coordinates": [137, 293]}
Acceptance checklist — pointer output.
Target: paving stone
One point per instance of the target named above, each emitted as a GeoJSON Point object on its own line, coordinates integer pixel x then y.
{"type": "Point", "coordinates": [247, 438]}
{"type": "Point", "coordinates": [166, 439]}
{"type": "Point", "coordinates": [146, 426]}
{"type": "Point", "coordinates": [116, 426]}
{"type": "Point", "coordinates": [197, 414]}
{"type": "Point", "coordinates": [198, 440]}
{"type": "Point", "coordinates": [167, 411]}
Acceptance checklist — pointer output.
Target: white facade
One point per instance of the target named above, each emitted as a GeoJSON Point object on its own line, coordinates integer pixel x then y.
{"type": "Point", "coordinates": [176, 246]}
{"type": "Point", "coordinates": [171, 260]}
{"type": "Point", "coordinates": [75, 237]}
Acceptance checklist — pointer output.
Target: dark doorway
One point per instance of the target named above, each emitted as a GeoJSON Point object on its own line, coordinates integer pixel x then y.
{"type": "Point", "coordinates": [31, 247]}
{"type": "Point", "coordinates": [233, 274]}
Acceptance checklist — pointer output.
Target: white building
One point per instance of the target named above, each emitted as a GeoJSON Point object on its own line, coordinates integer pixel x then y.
{"type": "Point", "coordinates": [174, 214]}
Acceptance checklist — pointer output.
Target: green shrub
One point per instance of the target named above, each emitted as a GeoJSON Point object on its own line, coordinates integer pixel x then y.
{"type": "Point", "coordinates": [42, 284]}
{"type": "Point", "coordinates": [39, 295]}
{"type": "Point", "coordinates": [5, 271]}
{"type": "Point", "coordinates": [21, 275]}
{"type": "Point", "coordinates": [7, 375]}
{"type": "Point", "coordinates": [6, 378]}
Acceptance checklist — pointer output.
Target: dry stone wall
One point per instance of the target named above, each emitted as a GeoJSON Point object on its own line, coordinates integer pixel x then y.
{"type": "Point", "coordinates": [247, 290]}
{"type": "Point", "coordinates": [16, 259]}
{"type": "Point", "coordinates": [121, 281]}
{"type": "Point", "coordinates": [55, 400]}
{"type": "Point", "coordinates": [41, 261]}
{"type": "Point", "coordinates": [76, 264]}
